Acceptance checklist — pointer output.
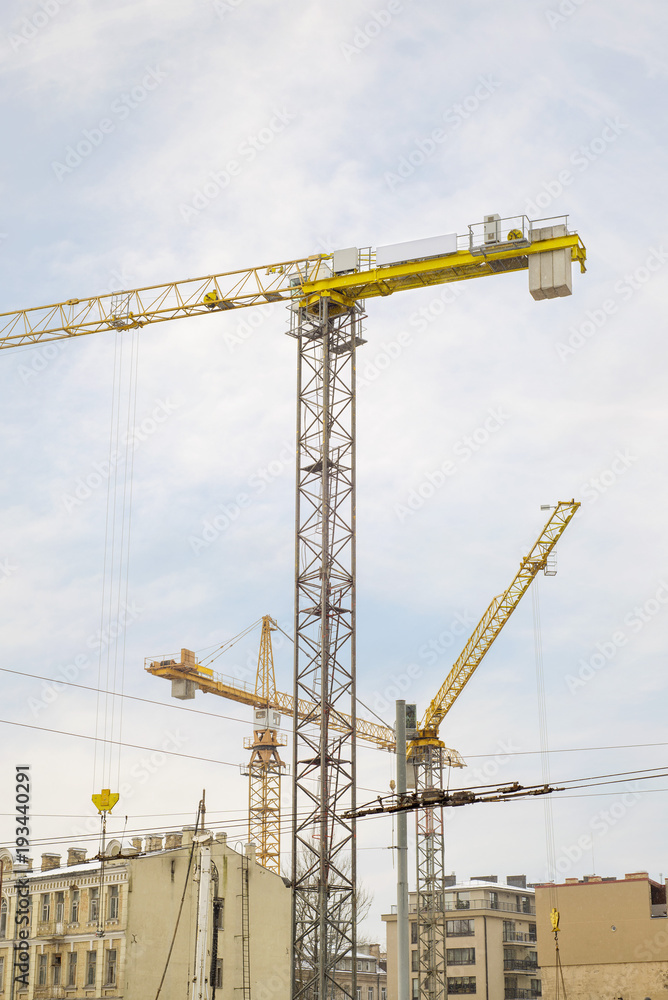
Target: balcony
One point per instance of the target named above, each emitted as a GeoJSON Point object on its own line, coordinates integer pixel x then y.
{"type": "Point", "coordinates": [519, 965]}
{"type": "Point", "coordinates": [513, 993]}
{"type": "Point", "coordinates": [51, 929]}
{"type": "Point", "coordinates": [518, 936]}
{"type": "Point", "coordinates": [489, 904]}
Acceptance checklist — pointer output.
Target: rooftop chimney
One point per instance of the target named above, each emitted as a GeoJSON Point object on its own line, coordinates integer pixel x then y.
{"type": "Point", "coordinates": [631, 875]}
{"type": "Point", "coordinates": [154, 843]}
{"type": "Point", "coordinates": [50, 861]}
{"type": "Point", "coordinates": [518, 881]}
{"type": "Point", "coordinates": [137, 843]}
{"type": "Point", "coordinates": [173, 840]}
{"type": "Point", "coordinates": [75, 855]}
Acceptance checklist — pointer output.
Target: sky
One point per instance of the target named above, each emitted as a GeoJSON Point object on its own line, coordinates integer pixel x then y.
{"type": "Point", "coordinates": [150, 141]}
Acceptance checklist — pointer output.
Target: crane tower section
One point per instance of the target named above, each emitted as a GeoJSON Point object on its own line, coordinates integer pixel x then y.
{"type": "Point", "coordinates": [328, 332]}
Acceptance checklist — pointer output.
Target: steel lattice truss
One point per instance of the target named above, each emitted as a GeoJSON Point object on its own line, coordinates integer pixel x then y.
{"type": "Point", "coordinates": [264, 796]}
{"type": "Point", "coordinates": [430, 856]}
{"type": "Point", "coordinates": [324, 925]}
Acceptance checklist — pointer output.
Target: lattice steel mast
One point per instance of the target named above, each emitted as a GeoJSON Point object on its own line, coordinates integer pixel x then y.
{"type": "Point", "coordinates": [323, 874]}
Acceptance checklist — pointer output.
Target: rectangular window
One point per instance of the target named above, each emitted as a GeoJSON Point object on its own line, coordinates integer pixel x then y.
{"type": "Point", "coordinates": [111, 968]}
{"type": "Point", "coordinates": [41, 969]}
{"type": "Point", "coordinates": [219, 974]}
{"type": "Point", "coordinates": [91, 968]}
{"type": "Point", "coordinates": [463, 901]}
{"type": "Point", "coordinates": [113, 902]}
{"type": "Point", "coordinates": [532, 932]}
{"type": "Point", "coordinates": [3, 919]}
{"type": "Point", "coordinates": [46, 907]}
{"type": "Point", "coordinates": [415, 962]}
{"type": "Point", "coordinates": [218, 913]}
{"type": "Point", "coordinates": [459, 928]}
{"type": "Point", "coordinates": [460, 956]}
{"type": "Point", "coordinates": [358, 993]}
{"type": "Point", "coordinates": [494, 900]}
{"type": "Point", "coordinates": [2, 974]}
{"type": "Point", "coordinates": [60, 907]}
{"type": "Point", "coordinates": [93, 903]}
{"type": "Point", "coordinates": [370, 993]}
{"type": "Point", "coordinates": [74, 905]}
{"type": "Point", "coordinates": [461, 984]}
{"type": "Point", "coordinates": [383, 993]}
{"type": "Point", "coordinates": [536, 988]}
{"type": "Point", "coordinates": [72, 969]}
{"type": "Point", "coordinates": [415, 989]}
{"type": "Point", "coordinates": [57, 966]}
{"type": "Point", "coordinates": [414, 932]}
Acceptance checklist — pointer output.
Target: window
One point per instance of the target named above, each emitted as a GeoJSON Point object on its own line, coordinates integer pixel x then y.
{"type": "Point", "coordinates": [93, 903]}
{"type": "Point", "coordinates": [383, 993]}
{"type": "Point", "coordinates": [218, 913]}
{"type": "Point", "coordinates": [459, 928]}
{"type": "Point", "coordinates": [74, 905]}
{"type": "Point", "coordinates": [219, 974]}
{"type": "Point", "coordinates": [41, 970]}
{"type": "Point", "coordinates": [57, 966]}
{"type": "Point", "coordinates": [532, 932]}
{"type": "Point", "coordinates": [415, 989]}
{"type": "Point", "coordinates": [358, 992]}
{"type": "Point", "coordinates": [494, 900]}
{"type": "Point", "coordinates": [3, 919]}
{"type": "Point", "coordinates": [370, 993]}
{"type": "Point", "coordinates": [60, 907]}
{"type": "Point", "coordinates": [110, 979]}
{"type": "Point", "coordinates": [46, 907]}
{"type": "Point", "coordinates": [461, 984]}
{"type": "Point", "coordinates": [72, 969]}
{"type": "Point", "coordinates": [415, 961]}
{"type": "Point", "coordinates": [536, 987]}
{"type": "Point", "coordinates": [91, 968]}
{"type": "Point", "coordinates": [414, 932]}
{"type": "Point", "coordinates": [526, 904]}
{"type": "Point", "coordinates": [359, 966]}
{"type": "Point", "coordinates": [509, 930]}
{"type": "Point", "coordinates": [460, 956]}
{"type": "Point", "coordinates": [113, 902]}
{"type": "Point", "coordinates": [463, 901]}
{"type": "Point", "coordinates": [2, 974]}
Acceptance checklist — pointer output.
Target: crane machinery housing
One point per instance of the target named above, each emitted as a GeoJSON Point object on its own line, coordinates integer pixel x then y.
{"type": "Point", "coordinates": [326, 296]}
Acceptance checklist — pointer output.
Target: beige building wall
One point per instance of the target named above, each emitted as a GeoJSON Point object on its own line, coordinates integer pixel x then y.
{"type": "Point", "coordinates": [138, 899]}
{"type": "Point", "coordinates": [495, 920]}
{"type": "Point", "coordinates": [613, 937]}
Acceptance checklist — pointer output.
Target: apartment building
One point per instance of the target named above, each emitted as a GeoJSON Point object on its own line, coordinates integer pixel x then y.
{"type": "Point", "coordinates": [490, 940]}
{"type": "Point", "coordinates": [104, 927]}
{"type": "Point", "coordinates": [371, 973]}
{"type": "Point", "coordinates": [613, 937]}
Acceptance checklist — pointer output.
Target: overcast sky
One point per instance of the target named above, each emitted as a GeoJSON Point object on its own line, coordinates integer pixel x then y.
{"type": "Point", "coordinates": [146, 141]}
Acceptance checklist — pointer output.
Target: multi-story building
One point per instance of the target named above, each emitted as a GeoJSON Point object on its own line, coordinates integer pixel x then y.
{"type": "Point", "coordinates": [613, 937]}
{"type": "Point", "coordinates": [120, 927]}
{"type": "Point", "coordinates": [371, 973]}
{"type": "Point", "coordinates": [490, 940]}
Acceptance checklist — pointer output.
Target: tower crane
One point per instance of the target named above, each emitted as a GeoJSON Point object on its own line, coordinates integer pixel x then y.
{"type": "Point", "coordinates": [325, 294]}
{"type": "Point", "coordinates": [428, 754]}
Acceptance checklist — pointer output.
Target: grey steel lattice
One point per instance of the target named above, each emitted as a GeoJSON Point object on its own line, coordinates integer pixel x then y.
{"type": "Point", "coordinates": [430, 855]}
{"type": "Point", "coordinates": [324, 869]}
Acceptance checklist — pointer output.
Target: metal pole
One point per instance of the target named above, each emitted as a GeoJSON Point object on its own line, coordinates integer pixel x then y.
{"type": "Point", "coordinates": [403, 942]}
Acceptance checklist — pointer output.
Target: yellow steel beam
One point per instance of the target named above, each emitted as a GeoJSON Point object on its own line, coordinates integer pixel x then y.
{"type": "Point", "coordinates": [299, 278]}
{"type": "Point", "coordinates": [495, 617]}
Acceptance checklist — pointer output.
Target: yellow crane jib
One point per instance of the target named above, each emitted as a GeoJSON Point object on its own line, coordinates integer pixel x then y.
{"type": "Point", "coordinates": [492, 622]}
{"type": "Point", "coordinates": [546, 249]}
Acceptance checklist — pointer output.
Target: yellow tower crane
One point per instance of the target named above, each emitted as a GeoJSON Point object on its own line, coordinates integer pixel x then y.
{"type": "Point", "coordinates": [325, 293]}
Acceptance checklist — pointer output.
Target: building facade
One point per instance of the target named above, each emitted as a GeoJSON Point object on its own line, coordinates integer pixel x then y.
{"type": "Point", "coordinates": [121, 926]}
{"type": "Point", "coordinates": [613, 937]}
{"type": "Point", "coordinates": [371, 971]}
{"type": "Point", "coordinates": [490, 940]}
